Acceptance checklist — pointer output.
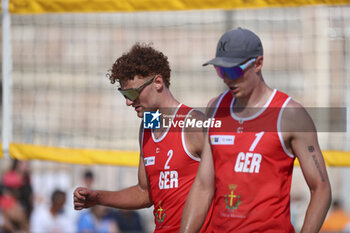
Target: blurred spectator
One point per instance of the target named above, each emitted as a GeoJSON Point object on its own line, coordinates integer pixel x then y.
{"type": "Point", "coordinates": [12, 213]}
{"type": "Point", "coordinates": [18, 180]}
{"type": "Point", "coordinates": [129, 221]}
{"type": "Point", "coordinates": [337, 219]}
{"type": "Point", "coordinates": [95, 220]}
{"type": "Point", "coordinates": [26, 191]}
{"type": "Point", "coordinates": [347, 227]}
{"type": "Point", "coordinates": [88, 179]}
{"type": "Point", "coordinates": [14, 216]}
{"type": "Point", "coordinates": [52, 219]}
{"type": "Point", "coordinates": [2, 221]}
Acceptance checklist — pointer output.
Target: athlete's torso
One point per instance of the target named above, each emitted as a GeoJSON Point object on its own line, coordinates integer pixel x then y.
{"type": "Point", "coordinates": [252, 169]}
{"type": "Point", "coordinates": [171, 170]}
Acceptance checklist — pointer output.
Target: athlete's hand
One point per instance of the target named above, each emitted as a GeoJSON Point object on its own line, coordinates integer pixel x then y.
{"type": "Point", "coordinates": [84, 198]}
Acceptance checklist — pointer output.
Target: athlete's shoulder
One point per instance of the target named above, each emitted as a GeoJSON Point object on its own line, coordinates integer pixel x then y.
{"type": "Point", "coordinates": [296, 118]}
{"type": "Point", "coordinates": [294, 104]}
{"type": "Point", "coordinates": [281, 94]}
{"type": "Point", "coordinates": [193, 113]}
{"type": "Point", "coordinates": [213, 103]}
{"type": "Point", "coordinates": [196, 114]}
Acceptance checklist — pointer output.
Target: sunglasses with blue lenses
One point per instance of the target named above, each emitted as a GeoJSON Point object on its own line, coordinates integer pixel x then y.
{"type": "Point", "coordinates": [233, 72]}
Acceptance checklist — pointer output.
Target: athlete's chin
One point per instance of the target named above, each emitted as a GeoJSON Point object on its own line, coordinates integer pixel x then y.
{"type": "Point", "coordinates": [139, 112]}
{"type": "Point", "coordinates": [236, 93]}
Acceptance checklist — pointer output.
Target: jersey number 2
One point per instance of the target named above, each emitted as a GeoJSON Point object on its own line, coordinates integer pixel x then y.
{"type": "Point", "coordinates": [170, 154]}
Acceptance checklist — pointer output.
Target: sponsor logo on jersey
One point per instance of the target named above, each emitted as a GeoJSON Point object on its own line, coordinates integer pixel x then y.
{"type": "Point", "coordinates": [222, 139]}
{"type": "Point", "coordinates": [232, 199]}
{"type": "Point", "coordinates": [150, 160]}
{"type": "Point", "coordinates": [160, 213]}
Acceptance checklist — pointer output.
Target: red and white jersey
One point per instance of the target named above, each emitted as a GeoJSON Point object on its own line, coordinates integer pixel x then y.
{"type": "Point", "coordinates": [253, 169]}
{"type": "Point", "coordinates": [171, 170]}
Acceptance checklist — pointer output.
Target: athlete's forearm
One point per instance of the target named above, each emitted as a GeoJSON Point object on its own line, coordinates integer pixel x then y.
{"type": "Point", "coordinates": [200, 197]}
{"type": "Point", "coordinates": [317, 210]}
{"type": "Point", "coordinates": [196, 208]}
{"type": "Point", "coordinates": [130, 198]}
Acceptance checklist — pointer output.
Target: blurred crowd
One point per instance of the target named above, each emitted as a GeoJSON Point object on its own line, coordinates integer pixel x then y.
{"type": "Point", "coordinates": [20, 213]}
{"type": "Point", "coordinates": [338, 220]}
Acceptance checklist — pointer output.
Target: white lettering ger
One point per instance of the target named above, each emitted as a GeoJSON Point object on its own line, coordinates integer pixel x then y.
{"type": "Point", "coordinates": [239, 163]}
{"type": "Point", "coordinates": [248, 162]}
{"type": "Point", "coordinates": [168, 180]}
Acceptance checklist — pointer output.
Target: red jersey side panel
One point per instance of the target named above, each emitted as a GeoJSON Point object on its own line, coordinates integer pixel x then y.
{"type": "Point", "coordinates": [171, 172]}
{"type": "Point", "coordinates": [252, 170]}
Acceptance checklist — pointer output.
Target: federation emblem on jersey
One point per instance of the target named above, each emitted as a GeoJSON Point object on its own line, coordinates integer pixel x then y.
{"type": "Point", "coordinates": [151, 120]}
{"type": "Point", "coordinates": [160, 213]}
{"type": "Point", "coordinates": [222, 139]}
{"type": "Point", "coordinates": [232, 200]}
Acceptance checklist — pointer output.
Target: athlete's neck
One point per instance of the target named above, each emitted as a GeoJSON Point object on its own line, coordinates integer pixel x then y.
{"type": "Point", "coordinates": [257, 98]}
{"type": "Point", "coordinates": [167, 103]}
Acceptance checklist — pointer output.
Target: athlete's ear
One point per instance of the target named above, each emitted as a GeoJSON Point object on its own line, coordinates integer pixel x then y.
{"type": "Point", "coordinates": [158, 82]}
{"type": "Point", "coordinates": [258, 64]}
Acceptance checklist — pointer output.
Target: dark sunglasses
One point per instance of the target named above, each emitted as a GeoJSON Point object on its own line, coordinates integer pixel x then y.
{"type": "Point", "coordinates": [233, 72]}
{"type": "Point", "coordinates": [133, 93]}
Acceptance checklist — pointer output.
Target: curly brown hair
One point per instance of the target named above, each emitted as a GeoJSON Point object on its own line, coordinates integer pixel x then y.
{"type": "Point", "coordinates": [141, 60]}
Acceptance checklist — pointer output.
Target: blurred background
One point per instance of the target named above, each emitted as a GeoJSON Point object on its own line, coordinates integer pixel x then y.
{"type": "Point", "coordinates": [58, 99]}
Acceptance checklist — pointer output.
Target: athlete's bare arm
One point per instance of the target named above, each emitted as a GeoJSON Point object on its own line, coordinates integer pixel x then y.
{"type": "Point", "coordinates": [201, 194]}
{"type": "Point", "coordinates": [134, 197]}
{"type": "Point", "coordinates": [295, 122]}
{"type": "Point", "coordinates": [194, 136]}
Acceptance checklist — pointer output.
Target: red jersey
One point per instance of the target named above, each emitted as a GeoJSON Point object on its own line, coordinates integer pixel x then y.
{"type": "Point", "coordinates": [171, 170]}
{"type": "Point", "coordinates": [253, 169]}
